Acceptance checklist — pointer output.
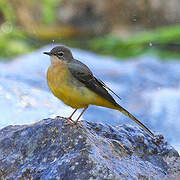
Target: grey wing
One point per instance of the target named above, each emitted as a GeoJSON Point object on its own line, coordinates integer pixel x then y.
{"type": "Point", "coordinates": [106, 87]}
{"type": "Point", "coordinates": [83, 74]}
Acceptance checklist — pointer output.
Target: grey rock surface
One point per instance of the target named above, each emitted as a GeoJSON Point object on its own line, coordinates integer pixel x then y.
{"type": "Point", "coordinates": [149, 88]}
{"type": "Point", "coordinates": [49, 149]}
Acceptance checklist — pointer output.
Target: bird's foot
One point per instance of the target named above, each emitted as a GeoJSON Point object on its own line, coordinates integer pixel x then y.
{"type": "Point", "coordinates": [69, 120]}
{"type": "Point", "coordinates": [60, 117]}
{"type": "Point", "coordinates": [72, 123]}
{"type": "Point", "coordinates": [69, 124]}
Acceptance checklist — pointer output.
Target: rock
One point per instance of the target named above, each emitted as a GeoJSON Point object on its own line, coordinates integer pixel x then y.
{"type": "Point", "coordinates": [49, 149]}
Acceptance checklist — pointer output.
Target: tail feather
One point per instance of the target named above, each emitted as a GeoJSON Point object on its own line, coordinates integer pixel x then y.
{"type": "Point", "coordinates": [126, 113]}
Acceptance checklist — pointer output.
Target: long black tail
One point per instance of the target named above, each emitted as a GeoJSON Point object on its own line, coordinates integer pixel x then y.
{"type": "Point", "coordinates": [125, 112]}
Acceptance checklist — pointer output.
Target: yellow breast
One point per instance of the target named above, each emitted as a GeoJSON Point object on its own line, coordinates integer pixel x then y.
{"type": "Point", "coordinates": [66, 88]}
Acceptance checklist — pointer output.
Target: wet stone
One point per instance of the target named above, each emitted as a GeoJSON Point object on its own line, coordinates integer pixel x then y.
{"type": "Point", "coordinates": [50, 150]}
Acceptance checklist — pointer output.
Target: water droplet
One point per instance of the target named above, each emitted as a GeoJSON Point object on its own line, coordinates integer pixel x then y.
{"type": "Point", "coordinates": [150, 44]}
{"type": "Point", "coordinates": [53, 42]}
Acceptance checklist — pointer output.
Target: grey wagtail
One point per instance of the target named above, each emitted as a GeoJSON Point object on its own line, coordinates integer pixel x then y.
{"type": "Point", "coordinates": [72, 82]}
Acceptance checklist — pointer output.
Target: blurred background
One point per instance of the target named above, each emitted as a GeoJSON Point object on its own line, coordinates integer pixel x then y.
{"type": "Point", "coordinates": [117, 27]}
{"type": "Point", "coordinates": [133, 46]}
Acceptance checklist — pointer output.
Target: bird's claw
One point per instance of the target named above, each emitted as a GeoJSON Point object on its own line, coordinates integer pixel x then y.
{"type": "Point", "coordinates": [60, 117]}
{"type": "Point", "coordinates": [72, 123]}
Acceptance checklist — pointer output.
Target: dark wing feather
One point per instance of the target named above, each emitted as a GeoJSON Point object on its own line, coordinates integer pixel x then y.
{"type": "Point", "coordinates": [83, 74]}
{"type": "Point", "coordinates": [104, 85]}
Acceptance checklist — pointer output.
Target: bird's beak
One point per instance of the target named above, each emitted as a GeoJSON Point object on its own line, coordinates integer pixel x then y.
{"type": "Point", "coordinates": [47, 53]}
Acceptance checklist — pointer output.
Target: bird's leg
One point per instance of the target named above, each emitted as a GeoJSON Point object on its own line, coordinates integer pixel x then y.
{"type": "Point", "coordinates": [70, 117]}
{"type": "Point", "coordinates": [75, 122]}
{"type": "Point", "coordinates": [85, 108]}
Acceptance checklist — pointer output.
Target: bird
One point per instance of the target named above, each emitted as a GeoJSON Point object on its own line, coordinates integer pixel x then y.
{"type": "Point", "coordinates": [74, 84]}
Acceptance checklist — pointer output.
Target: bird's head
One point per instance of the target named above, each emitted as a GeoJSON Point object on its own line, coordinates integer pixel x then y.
{"type": "Point", "coordinates": [60, 53]}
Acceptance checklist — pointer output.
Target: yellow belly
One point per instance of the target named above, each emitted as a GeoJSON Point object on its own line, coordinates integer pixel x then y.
{"type": "Point", "coordinates": [71, 91]}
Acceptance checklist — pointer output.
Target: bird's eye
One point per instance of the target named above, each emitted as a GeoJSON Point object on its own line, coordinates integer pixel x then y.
{"type": "Point", "coordinates": [60, 53]}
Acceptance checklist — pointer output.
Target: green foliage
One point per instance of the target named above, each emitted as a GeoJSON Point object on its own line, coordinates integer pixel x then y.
{"type": "Point", "coordinates": [7, 11]}
{"type": "Point", "coordinates": [138, 44]}
{"type": "Point", "coordinates": [13, 43]}
{"type": "Point", "coordinates": [49, 11]}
